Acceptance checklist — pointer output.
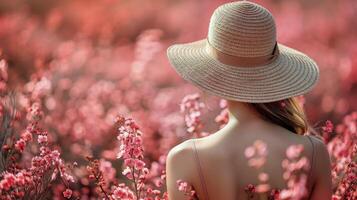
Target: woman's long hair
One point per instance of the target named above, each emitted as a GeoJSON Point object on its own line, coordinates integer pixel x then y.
{"type": "Point", "coordinates": [287, 113]}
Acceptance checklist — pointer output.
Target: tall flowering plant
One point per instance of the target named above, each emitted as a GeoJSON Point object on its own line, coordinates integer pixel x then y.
{"type": "Point", "coordinates": [343, 152]}
{"type": "Point", "coordinates": [191, 106]}
{"type": "Point", "coordinates": [21, 179]}
{"type": "Point", "coordinates": [132, 153]}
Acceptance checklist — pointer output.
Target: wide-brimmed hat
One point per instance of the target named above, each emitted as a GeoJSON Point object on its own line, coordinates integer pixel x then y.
{"type": "Point", "coordinates": [241, 60]}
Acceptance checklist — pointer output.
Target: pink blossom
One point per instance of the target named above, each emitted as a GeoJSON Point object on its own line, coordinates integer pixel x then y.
{"type": "Point", "coordinates": [256, 154]}
{"type": "Point", "coordinates": [26, 135]}
{"type": "Point", "coordinates": [3, 70]}
{"type": "Point", "coordinates": [67, 193]}
{"type": "Point", "coordinates": [327, 130]}
{"type": "Point", "coordinates": [186, 188]}
{"type": "Point", "coordinates": [328, 126]}
{"type": "Point", "coordinates": [257, 162]}
{"type": "Point", "coordinates": [42, 139]}
{"type": "Point", "coordinates": [295, 169]}
{"type": "Point", "coordinates": [249, 152]}
{"type": "Point", "coordinates": [122, 192]}
{"type": "Point", "coordinates": [7, 182]}
{"type": "Point", "coordinates": [20, 145]}
{"type": "Point", "coordinates": [297, 189]}
{"type": "Point", "coordinates": [223, 117]}
{"type": "Point", "coordinates": [108, 171]}
{"type": "Point", "coordinates": [127, 172]}
{"type": "Point", "coordinates": [262, 188]}
{"type": "Point", "coordinates": [139, 164]}
{"type": "Point", "coordinates": [191, 107]}
{"type": "Point", "coordinates": [294, 151]}
{"type": "Point", "coordinates": [263, 177]}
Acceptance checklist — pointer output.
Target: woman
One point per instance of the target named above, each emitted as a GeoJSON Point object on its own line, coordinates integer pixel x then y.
{"type": "Point", "coordinates": [241, 61]}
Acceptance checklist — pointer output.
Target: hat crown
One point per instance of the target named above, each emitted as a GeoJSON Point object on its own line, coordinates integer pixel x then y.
{"type": "Point", "coordinates": [242, 29]}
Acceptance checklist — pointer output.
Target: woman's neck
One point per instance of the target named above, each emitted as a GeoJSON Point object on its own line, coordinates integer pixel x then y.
{"type": "Point", "coordinates": [241, 113]}
{"type": "Point", "coordinates": [241, 117]}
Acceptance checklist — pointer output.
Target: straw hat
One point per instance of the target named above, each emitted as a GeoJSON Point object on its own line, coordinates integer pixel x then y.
{"type": "Point", "coordinates": [241, 60]}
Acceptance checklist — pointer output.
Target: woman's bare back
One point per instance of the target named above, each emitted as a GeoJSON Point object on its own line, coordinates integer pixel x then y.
{"type": "Point", "coordinates": [220, 168]}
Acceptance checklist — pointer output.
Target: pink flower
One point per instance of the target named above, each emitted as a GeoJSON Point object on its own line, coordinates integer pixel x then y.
{"type": "Point", "coordinates": [127, 172]}
{"type": "Point", "coordinates": [295, 169]}
{"type": "Point", "coordinates": [122, 192]}
{"type": "Point", "coordinates": [328, 128]}
{"type": "Point", "coordinates": [139, 164]}
{"type": "Point", "coordinates": [20, 179]}
{"type": "Point", "coordinates": [296, 189]}
{"type": "Point", "coordinates": [3, 70]}
{"type": "Point", "coordinates": [256, 154]}
{"type": "Point", "coordinates": [20, 145]}
{"type": "Point", "coordinates": [294, 151]}
{"type": "Point", "coordinates": [67, 193]}
{"type": "Point", "coordinates": [262, 188]}
{"type": "Point", "coordinates": [263, 177]}
{"type": "Point", "coordinates": [186, 188]}
{"type": "Point", "coordinates": [7, 182]}
{"type": "Point", "coordinates": [137, 152]}
{"type": "Point", "coordinates": [191, 107]}
{"type": "Point", "coordinates": [257, 162]}
{"type": "Point", "coordinates": [249, 152]}
{"type": "Point", "coordinates": [261, 147]}
{"type": "Point", "coordinates": [26, 135]}
{"type": "Point", "coordinates": [42, 139]}
{"type": "Point", "coordinates": [107, 169]}
{"type": "Point", "coordinates": [223, 117]}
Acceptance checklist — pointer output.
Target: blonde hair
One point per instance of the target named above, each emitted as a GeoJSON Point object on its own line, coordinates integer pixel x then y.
{"type": "Point", "coordinates": [287, 113]}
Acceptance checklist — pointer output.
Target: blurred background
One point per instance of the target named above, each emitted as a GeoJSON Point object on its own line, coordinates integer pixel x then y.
{"type": "Point", "coordinates": [88, 60]}
{"type": "Point", "coordinates": [117, 37]}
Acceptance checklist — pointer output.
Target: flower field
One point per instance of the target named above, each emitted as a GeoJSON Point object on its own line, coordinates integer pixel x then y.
{"type": "Point", "coordinates": [90, 106]}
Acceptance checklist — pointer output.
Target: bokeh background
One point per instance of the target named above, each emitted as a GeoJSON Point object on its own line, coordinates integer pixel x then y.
{"type": "Point", "coordinates": [88, 60]}
{"type": "Point", "coordinates": [118, 37]}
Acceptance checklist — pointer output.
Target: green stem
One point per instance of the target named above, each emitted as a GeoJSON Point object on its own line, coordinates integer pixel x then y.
{"type": "Point", "coordinates": [135, 184]}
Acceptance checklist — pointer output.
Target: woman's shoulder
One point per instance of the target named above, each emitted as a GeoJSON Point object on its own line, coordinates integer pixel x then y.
{"type": "Point", "coordinates": [181, 152]}
{"type": "Point", "coordinates": [320, 158]}
{"type": "Point", "coordinates": [318, 143]}
{"type": "Point", "coordinates": [182, 148]}
{"type": "Point", "coordinates": [180, 161]}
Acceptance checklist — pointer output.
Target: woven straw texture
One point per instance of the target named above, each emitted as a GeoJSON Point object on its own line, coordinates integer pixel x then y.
{"type": "Point", "coordinates": [244, 29]}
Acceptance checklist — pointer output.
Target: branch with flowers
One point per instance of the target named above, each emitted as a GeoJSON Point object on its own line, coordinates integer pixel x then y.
{"type": "Point", "coordinates": [21, 182]}
{"type": "Point", "coordinates": [132, 153]}
{"type": "Point", "coordinates": [32, 179]}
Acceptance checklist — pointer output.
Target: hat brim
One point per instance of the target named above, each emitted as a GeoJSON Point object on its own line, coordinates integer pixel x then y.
{"type": "Point", "coordinates": [291, 74]}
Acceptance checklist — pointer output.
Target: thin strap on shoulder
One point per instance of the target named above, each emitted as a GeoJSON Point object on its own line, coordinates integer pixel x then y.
{"type": "Point", "coordinates": [199, 169]}
{"type": "Point", "coordinates": [312, 161]}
